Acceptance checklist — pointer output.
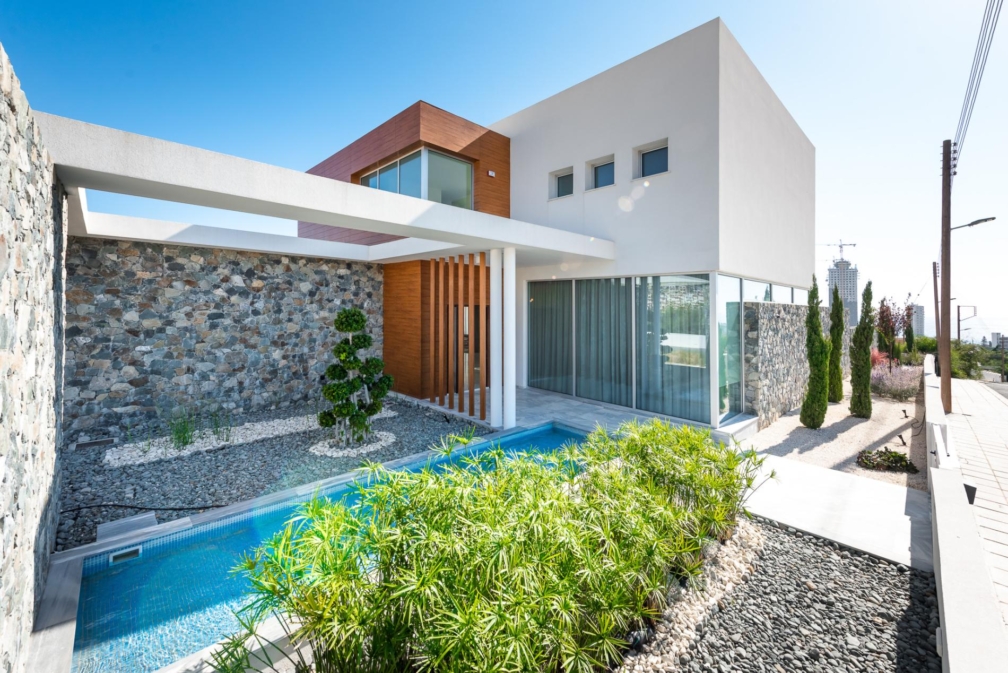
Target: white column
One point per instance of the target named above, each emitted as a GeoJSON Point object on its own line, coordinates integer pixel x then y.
{"type": "Point", "coordinates": [509, 338]}
{"type": "Point", "coordinates": [496, 331]}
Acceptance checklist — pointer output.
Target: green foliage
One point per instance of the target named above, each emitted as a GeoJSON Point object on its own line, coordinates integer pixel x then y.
{"type": "Point", "coordinates": [860, 357]}
{"type": "Point", "coordinates": [965, 360]}
{"type": "Point", "coordinates": [886, 460]}
{"type": "Point", "coordinates": [909, 337]}
{"type": "Point", "coordinates": [529, 562]}
{"type": "Point", "coordinates": [356, 388]}
{"type": "Point", "coordinates": [813, 410]}
{"type": "Point", "coordinates": [836, 330]}
{"type": "Point", "coordinates": [183, 426]}
{"type": "Point", "coordinates": [925, 344]}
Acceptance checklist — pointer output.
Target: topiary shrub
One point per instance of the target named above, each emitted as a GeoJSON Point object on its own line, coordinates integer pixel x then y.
{"type": "Point", "coordinates": [813, 410]}
{"type": "Point", "coordinates": [861, 358]}
{"type": "Point", "coordinates": [836, 330]}
{"type": "Point", "coordinates": [355, 387]}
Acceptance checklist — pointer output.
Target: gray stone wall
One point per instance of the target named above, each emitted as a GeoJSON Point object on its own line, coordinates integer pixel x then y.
{"type": "Point", "coordinates": [775, 362]}
{"type": "Point", "coordinates": [151, 328]}
{"type": "Point", "coordinates": [32, 240]}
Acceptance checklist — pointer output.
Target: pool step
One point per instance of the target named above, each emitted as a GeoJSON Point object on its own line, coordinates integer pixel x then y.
{"type": "Point", "coordinates": [127, 525]}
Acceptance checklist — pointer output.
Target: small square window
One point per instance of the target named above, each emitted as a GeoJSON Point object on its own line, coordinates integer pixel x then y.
{"type": "Point", "coordinates": [603, 175]}
{"type": "Point", "coordinates": [564, 185]}
{"type": "Point", "coordinates": [654, 161]}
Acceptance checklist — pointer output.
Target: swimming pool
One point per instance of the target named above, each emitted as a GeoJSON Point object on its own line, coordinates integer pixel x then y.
{"type": "Point", "coordinates": [178, 596]}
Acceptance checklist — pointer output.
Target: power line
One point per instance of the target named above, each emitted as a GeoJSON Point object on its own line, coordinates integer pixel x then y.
{"type": "Point", "coordinates": [987, 27]}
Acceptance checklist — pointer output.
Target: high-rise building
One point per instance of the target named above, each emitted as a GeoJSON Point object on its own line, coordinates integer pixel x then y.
{"type": "Point", "coordinates": [997, 339]}
{"type": "Point", "coordinates": [918, 320]}
{"type": "Point", "coordinates": [844, 276]}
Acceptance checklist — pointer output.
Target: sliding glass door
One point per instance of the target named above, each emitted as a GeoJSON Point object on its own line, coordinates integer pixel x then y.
{"type": "Point", "coordinates": [550, 336]}
{"type": "Point", "coordinates": [603, 325]}
{"type": "Point", "coordinates": [673, 346]}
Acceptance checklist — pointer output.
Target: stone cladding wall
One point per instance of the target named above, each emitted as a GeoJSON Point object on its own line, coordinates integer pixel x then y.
{"type": "Point", "coordinates": [154, 328]}
{"type": "Point", "coordinates": [32, 241]}
{"type": "Point", "coordinates": [775, 363]}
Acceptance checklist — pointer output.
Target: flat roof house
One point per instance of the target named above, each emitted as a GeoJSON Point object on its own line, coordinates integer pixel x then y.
{"type": "Point", "coordinates": [683, 157]}
{"type": "Point", "coordinates": [598, 244]}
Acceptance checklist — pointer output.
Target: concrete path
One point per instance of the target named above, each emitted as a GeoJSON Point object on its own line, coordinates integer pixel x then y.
{"type": "Point", "coordinates": [889, 521]}
{"type": "Point", "coordinates": [979, 426]}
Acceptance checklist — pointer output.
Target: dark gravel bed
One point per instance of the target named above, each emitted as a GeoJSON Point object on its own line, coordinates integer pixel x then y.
{"type": "Point", "coordinates": [811, 606]}
{"type": "Point", "coordinates": [227, 475]}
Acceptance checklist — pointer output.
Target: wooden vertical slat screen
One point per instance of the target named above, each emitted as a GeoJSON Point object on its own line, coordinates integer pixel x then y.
{"type": "Point", "coordinates": [449, 351]}
{"type": "Point", "coordinates": [460, 335]}
{"type": "Point", "coordinates": [458, 285]}
{"type": "Point", "coordinates": [472, 335]}
{"type": "Point", "coordinates": [431, 330]}
{"type": "Point", "coordinates": [484, 333]}
{"type": "Point", "coordinates": [440, 317]}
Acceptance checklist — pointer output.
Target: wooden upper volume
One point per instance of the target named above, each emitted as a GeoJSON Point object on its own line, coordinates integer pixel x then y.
{"type": "Point", "coordinates": [419, 125]}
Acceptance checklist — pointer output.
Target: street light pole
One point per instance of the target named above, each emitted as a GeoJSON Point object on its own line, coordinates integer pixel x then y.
{"type": "Point", "coordinates": [945, 345]}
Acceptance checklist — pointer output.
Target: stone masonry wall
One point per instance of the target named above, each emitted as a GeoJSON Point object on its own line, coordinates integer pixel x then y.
{"type": "Point", "coordinates": [775, 363]}
{"type": "Point", "coordinates": [153, 327]}
{"type": "Point", "coordinates": [32, 240]}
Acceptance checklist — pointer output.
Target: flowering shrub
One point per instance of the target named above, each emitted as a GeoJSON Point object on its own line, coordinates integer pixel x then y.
{"type": "Point", "coordinates": [900, 384]}
{"type": "Point", "coordinates": [877, 358]}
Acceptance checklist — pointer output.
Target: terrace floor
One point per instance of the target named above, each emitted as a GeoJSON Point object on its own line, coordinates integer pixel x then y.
{"type": "Point", "coordinates": [979, 423]}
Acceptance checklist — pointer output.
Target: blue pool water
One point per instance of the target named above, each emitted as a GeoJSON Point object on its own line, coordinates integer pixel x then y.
{"type": "Point", "coordinates": [179, 595]}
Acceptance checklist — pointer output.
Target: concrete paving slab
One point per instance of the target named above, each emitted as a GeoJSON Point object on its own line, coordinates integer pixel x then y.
{"type": "Point", "coordinates": [885, 520]}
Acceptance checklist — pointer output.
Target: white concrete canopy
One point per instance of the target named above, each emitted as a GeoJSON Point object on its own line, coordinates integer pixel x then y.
{"type": "Point", "coordinates": [97, 157]}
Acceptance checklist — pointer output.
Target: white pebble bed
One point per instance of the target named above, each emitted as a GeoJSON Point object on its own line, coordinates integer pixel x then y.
{"type": "Point", "coordinates": [136, 453]}
{"type": "Point", "coordinates": [333, 449]}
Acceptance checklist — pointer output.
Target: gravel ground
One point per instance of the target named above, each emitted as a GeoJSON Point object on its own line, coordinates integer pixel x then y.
{"type": "Point", "coordinates": [228, 475]}
{"type": "Point", "coordinates": [836, 444]}
{"type": "Point", "coordinates": [809, 605]}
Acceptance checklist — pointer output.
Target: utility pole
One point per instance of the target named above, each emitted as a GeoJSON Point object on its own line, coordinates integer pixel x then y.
{"type": "Point", "coordinates": [945, 350]}
{"type": "Point", "coordinates": [934, 271]}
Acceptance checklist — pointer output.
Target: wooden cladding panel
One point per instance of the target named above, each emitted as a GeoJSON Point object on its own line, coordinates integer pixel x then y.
{"type": "Point", "coordinates": [402, 317]}
{"type": "Point", "coordinates": [426, 348]}
{"type": "Point", "coordinates": [418, 125]}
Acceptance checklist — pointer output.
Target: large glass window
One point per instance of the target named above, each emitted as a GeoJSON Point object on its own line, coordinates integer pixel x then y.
{"type": "Point", "coordinates": [388, 178]}
{"type": "Point", "coordinates": [673, 329]}
{"type": "Point", "coordinates": [370, 180]}
{"type": "Point", "coordinates": [550, 336]}
{"type": "Point", "coordinates": [604, 314]}
{"type": "Point", "coordinates": [800, 296]}
{"type": "Point", "coordinates": [729, 346]}
{"type": "Point", "coordinates": [655, 161]}
{"type": "Point", "coordinates": [603, 175]}
{"type": "Point", "coordinates": [781, 294]}
{"type": "Point", "coordinates": [449, 180]}
{"type": "Point", "coordinates": [409, 175]}
{"type": "Point", "coordinates": [754, 290]}
{"type": "Point", "coordinates": [564, 185]}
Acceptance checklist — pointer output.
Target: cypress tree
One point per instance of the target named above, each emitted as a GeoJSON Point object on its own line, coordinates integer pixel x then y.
{"type": "Point", "coordinates": [908, 335]}
{"type": "Point", "coordinates": [860, 357]}
{"type": "Point", "coordinates": [813, 410]}
{"type": "Point", "coordinates": [836, 330]}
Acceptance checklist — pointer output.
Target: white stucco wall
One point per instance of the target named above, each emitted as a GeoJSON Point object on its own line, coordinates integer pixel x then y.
{"type": "Point", "coordinates": [766, 194]}
{"type": "Point", "coordinates": [739, 196]}
{"type": "Point", "coordinates": [667, 92]}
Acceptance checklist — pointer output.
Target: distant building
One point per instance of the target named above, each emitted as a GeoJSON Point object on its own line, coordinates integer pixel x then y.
{"type": "Point", "coordinates": [845, 276]}
{"type": "Point", "coordinates": [996, 339]}
{"type": "Point", "coordinates": [918, 320]}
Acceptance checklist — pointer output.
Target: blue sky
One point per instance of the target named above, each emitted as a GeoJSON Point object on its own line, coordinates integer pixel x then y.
{"type": "Point", "coordinates": [875, 85]}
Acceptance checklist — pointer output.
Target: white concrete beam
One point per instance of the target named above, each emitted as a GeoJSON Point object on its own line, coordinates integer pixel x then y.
{"type": "Point", "coordinates": [508, 371]}
{"type": "Point", "coordinates": [97, 157]}
{"type": "Point", "coordinates": [496, 331]}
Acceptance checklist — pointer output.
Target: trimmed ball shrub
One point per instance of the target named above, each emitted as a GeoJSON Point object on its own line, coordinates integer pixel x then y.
{"type": "Point", "coordinates": [354, 387]}
{"type": "Point", "coordinates": [817, 347]}
{"type": "Point", "coordinates": [861, 358]}
{"type": "Point", "coordinates": [836, 330]}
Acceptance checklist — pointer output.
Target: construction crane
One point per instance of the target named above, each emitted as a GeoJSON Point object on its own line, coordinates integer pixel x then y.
{"type": "Point", "coordinates": [840, 245]}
